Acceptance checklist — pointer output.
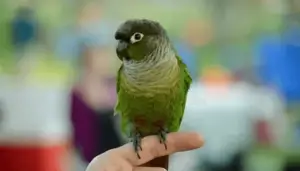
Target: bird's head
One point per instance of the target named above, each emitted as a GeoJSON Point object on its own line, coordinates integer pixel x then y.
{"type": "Point", "coordinates": [139, 38]}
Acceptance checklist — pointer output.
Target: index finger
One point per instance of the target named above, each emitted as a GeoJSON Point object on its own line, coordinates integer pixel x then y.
{"type": "Point", "coordinates": [151, 147]}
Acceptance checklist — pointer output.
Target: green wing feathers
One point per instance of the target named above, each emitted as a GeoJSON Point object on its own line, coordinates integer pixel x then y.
{"type": "Point", "coordinates": [118, 84]}
{"type": "Point", "coordinates": [187, 82]}
{"type": "Point", "coordinates": [121, 104]}
{"type": "Point", "coordinates": [119, 78]}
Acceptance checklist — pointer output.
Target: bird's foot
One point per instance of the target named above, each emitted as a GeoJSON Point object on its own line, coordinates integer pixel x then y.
{"type": "Point", "coordinates": [162, 135]}
{"type": "Point", "coordinates": [136, 140]}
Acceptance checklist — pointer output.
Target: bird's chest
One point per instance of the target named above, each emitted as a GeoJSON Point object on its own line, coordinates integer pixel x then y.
{"type": "Point", "coordinates": [150, 109]}
{"type": "Point", "coordinates": [149, 98]}
{"type": "Point", "coordinates": [155, 99]}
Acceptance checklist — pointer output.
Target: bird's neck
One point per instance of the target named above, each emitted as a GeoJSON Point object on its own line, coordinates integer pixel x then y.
{"type": "Point", "coordinates": [153, 73]}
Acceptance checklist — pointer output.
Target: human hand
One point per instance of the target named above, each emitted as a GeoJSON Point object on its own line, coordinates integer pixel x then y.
{"type": "Point", "coordinates": [124, 158]}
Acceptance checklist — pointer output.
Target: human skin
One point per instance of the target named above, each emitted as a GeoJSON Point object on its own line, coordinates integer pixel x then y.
{"type": "Point", "coordinates": [125, 159]}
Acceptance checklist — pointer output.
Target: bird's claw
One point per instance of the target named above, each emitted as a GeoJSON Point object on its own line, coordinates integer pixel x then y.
{"type": "Point", "coordinates": [163, 137]}
{"type": "Point", "coordinates": [136, 141]}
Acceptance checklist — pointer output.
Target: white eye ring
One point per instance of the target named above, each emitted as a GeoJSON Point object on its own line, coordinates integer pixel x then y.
{"type": "Point", "coordinates": [136, 37]}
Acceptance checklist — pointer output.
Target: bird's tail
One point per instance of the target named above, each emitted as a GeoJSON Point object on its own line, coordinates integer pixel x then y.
{"type": "Point", "coordinates": [162, 162]}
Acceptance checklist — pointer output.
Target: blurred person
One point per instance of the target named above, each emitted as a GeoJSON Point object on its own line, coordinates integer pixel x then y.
{"type": "Point", "coordinates": [93, 98]}
{"type": "Point", "coordinates": [226, 114]}
{"type": "Point", "coordinates": [124, 158]}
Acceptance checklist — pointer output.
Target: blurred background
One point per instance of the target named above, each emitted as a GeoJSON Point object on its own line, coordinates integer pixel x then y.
{"type": "Point", "coordinates": [58, 68]}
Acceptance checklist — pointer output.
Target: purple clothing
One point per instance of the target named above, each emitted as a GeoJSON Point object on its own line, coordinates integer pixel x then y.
{"type": "Point", "coordinates": [84, 127]}
{"type": "Point", "coordinates": [93, 131]}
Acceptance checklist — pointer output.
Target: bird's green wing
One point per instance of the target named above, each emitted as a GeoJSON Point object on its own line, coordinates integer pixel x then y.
{"type": "Point", "coordinates": [187, 79]}
{"type": "Point", "coordinates": [118, 84]}
{"type": "Point", "coordinates": [119, 78]}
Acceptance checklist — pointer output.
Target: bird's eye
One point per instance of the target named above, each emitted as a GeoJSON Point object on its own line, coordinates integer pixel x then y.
{"type": "Point", "coordinates": [136, 37]}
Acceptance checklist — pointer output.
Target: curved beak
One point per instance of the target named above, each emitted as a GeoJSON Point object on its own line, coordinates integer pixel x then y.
{"type": "Point", "coordinates": [122, 50]}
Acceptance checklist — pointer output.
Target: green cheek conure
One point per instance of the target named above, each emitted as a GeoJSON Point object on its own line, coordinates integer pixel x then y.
{"type": "Point", "coordinates": [152, 83]}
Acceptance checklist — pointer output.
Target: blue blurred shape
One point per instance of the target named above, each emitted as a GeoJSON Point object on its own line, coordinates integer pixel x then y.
{"type": "Point", "coordinates": [24, 27]}
{"type": "Point", "coordinates": [189, 57]}
{"type": "Point", "coordinates": [279, 59]}
{"type": "Point", "coordinates": [68, 45]}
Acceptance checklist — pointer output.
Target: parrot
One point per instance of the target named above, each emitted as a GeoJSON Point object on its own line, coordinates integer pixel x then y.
{"type": "Point", "coordinates": [152, 84]}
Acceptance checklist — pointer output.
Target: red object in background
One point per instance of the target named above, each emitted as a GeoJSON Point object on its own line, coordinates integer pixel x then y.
{"type": "Point", "coordinates": [263, 134]}
{"type": "Point", "coordinates": [33, 158]}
